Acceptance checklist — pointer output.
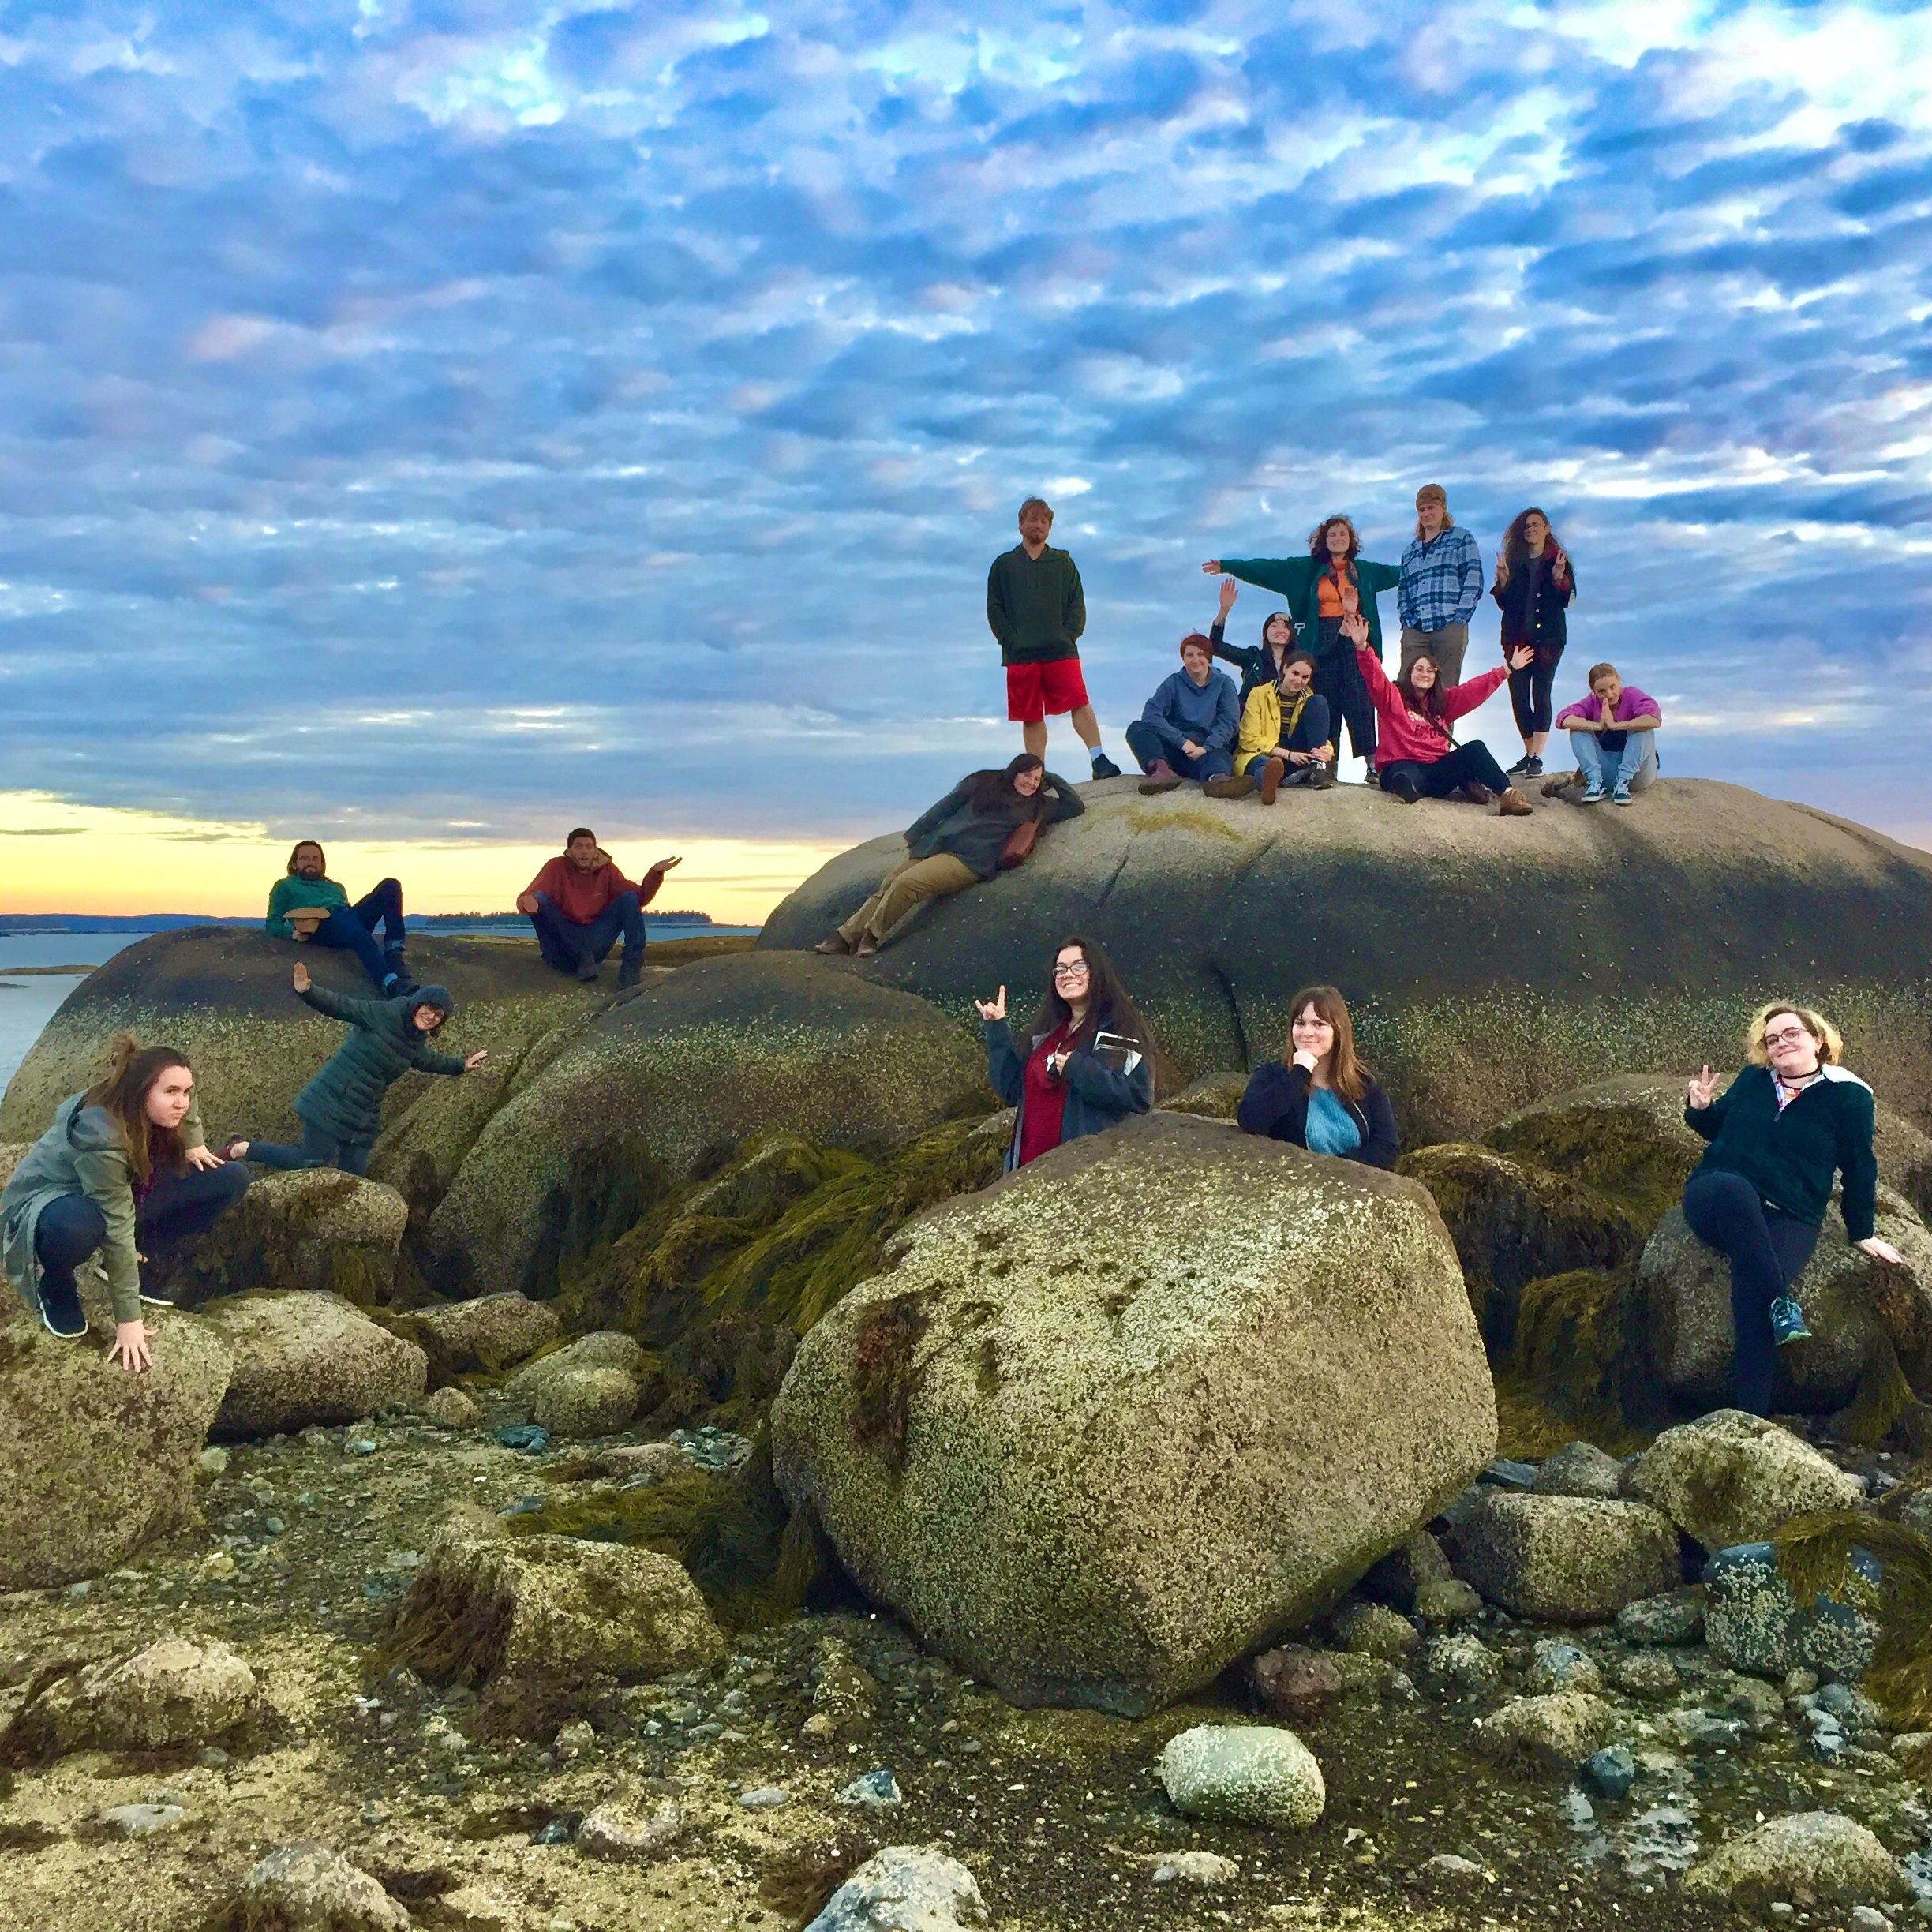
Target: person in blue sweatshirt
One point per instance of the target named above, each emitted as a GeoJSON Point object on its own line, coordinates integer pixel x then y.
{"type": "Point", "coordinates": [1187, 730]}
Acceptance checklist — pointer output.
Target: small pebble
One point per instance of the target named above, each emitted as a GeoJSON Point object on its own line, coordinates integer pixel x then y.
{"type": "Point", "coordinates": [877, 1789]}
{"type": "Point", "coordinates": [1612, 1770]}
{"type": "Point", "coordinates": [766, 1798]}
{"type": "Point", "coordinates": [213, 1462]}
{"type": "Point", "coordinates": [359, 1445]}
{"type": "Point", "coordinates": [141, 1820]}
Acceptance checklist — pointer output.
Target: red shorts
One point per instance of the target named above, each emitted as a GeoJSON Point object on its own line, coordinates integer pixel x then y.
{"type": "Point", "coordinates": [1038, 691]}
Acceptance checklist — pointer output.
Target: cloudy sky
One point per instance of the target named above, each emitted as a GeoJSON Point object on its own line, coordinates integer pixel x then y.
{"type": "Point", "coordinates": [442, 422]}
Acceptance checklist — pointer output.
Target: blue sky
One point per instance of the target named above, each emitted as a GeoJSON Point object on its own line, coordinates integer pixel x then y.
{"type": "Point", "coordinates": [453, 419]}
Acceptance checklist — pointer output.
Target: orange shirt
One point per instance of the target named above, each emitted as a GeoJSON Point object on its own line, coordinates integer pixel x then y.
{"type": "Point", "coordinates": [1336, 597]}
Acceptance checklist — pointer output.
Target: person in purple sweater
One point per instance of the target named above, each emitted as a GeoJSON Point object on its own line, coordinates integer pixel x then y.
{"type": "Point", "coordinates": [1613, 733]}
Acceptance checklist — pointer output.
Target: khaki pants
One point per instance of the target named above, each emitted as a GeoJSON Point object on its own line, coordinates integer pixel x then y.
{"type": "Point", "coordinates": [912, 882]}
{"type": "Point", "coordinates": [1446, 646]}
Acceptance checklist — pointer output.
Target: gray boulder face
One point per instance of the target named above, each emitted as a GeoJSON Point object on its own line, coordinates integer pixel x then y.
{"type": "Point", "coordinates": [1244, 1774]}
{"type": "Point", "coordinates": [1672, 1616]}
{"type": "Point", "coordinates": [1215, 1444]}
{"type": "Point", "coordinates": [1555, 1732]}
{"type": "Point", "coordinates": [1566, 1559]}
{"type": "Point", "coordinates": [1729, 1477]}
{"type": "Point", "coordinates": [585, 1402]}
{"type": "Point", "coordinates": [1752, 1622]}
{"type": "Point", "coordinates": [1580, 1469]}
{"type": "Point", "coordinates": [307, 1888]}
{"type": "Point", "coordinates": [97, 1460]}
{"type": "Point", "coordinates": [906, 1888]}
{"type": "Point", "coordinates": [486, 1336]}
{"type": "Point", "coordinates": [1818, 1856]}
{"type": "Point", "coordinates": [1186, 892]}
{"type": "Point", "coordinates": [309, 1358]}
{"type": "Point", "coordinates": [721, 1051]}
{"type": "Point", "coordinates": [607, 1348]}
{"type": "Point", "coordinates": [316, 1232]}
{"type": "Point", "coordinates": [174, 1692]}
{"type": "Point", "coordinates": [221, 995]}
{"type": "Point", "coordinates": [1845, 1296]}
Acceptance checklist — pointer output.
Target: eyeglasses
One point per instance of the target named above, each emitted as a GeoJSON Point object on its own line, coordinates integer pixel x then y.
{"type": "Point", "coordinates": [1078, 970]}
{"type": "Point", "coordinates": [1787, 1038]}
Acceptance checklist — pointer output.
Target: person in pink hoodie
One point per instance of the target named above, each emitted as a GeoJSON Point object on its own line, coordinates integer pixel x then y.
{"type": "Point", "coordinates": [1415, 757]}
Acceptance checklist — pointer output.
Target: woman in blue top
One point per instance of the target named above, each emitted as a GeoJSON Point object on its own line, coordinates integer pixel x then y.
{"type": "Point", "coordinates": [1318, 1095]}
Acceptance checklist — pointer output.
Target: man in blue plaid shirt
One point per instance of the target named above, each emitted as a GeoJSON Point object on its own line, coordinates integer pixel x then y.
{"type": "Point", "coordinates": [1442, 583]}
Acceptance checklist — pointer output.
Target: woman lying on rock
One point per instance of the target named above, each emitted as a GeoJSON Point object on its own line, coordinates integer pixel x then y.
{"type": "Point", "coordinates": [1415, 757]}
{"type": "Point", "coordinates": [970, 835]}
{"type": "Point", "coordinates": [1318, 1095]}
{"type": "Point", "coordinates": [341, 1108]}
{"type": "Point", "coordinates": [123, 1167]}
{"type": "Point", "coordinates": [1090, 1062]}
{"type": "Point", "coordinates": [1793, 1118]}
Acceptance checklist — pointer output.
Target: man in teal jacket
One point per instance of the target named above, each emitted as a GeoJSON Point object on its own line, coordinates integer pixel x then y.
{"type": "Point", "coordinates": [307, 888]}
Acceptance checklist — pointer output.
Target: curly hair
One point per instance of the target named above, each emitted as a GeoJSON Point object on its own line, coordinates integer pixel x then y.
{"type": "Point", "coordinates": [1318, 538]}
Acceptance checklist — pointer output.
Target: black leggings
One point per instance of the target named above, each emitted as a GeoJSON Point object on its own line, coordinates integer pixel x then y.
{"type": "Point", "coordinates": [1530, 693]}
{"type": "Point", "coordinates": [1338, 678]}
{"type": "Point", "coordinates": [183, 1205]}
{"type": "Point", "coordinates": [1767, 1249]}
{"type": "Point", "coordinates": [1448, 773]}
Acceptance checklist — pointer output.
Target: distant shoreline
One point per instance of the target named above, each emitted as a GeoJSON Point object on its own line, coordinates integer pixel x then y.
{"type": "Point", "coordinates": [20, 924]}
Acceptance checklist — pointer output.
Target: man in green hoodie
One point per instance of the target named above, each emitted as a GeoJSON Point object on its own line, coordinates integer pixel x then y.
{"type": "Point", "coordinates": [1036, 609]}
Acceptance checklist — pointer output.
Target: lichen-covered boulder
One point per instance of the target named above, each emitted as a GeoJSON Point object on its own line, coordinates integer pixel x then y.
{"type": "Point", "coordinates": [1623, 1138]}
{"type": "Point", "coordinates": [315, 1231]}
{"type": "Point", "coordinates": [1567, 1560]}
{"type": "Point", "coordinates": [1580, 1469]}
{"type": "Point", "coordinates": [1752, 1622]}
{"type": "Point", "coordinates": [723, 1051]}
{"type": "Point", "coordinates": [1856, 1308]}
{"type": "Point", "coordinates": [487, 1335]}
{"type": "Point", "coordinates": [307, 1888]}
{"type": "Point", "coordinates": [1213, 1437]}
{"type": "Point", "coordinates": [303, 1358]}
{"type": "Point", "coordinates": [585, 1402]}
{"type": "Point", "coordinates": [919, 1887]}
{"type": "Point", "coordinates": [484, 1606]}
{"type": "Point", "coordinates": [1213, 1096]}
{"type": "Point", "coordinates": [1555, 1732]}
{"type": "Point", "coordinates": [96, 1460]}
{"type": "Point", "coordinates": [1512, 1223]}
{"type": "Point", "coordinates": [1729, 1477]}
{"type": "Point", "coordinates": [1244, 1774]}
{"type": "Point", "coordinates": [606, 1348]}
{"type": "Point", "coordinates": [173, 1693]}
{"type": "Point", "coordinates": [221, 995]}
{"type": "Point", "coordinates": [1820, 1857]}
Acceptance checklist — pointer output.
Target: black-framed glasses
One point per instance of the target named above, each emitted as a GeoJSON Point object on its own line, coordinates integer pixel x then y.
{"type": "Point", "coordinates": [1078, 970]}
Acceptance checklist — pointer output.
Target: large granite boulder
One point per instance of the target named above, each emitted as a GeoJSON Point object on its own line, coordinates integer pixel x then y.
{"type": "Point", "coordinates": [1564, 1559]}
{"type": "Point", "coordinates": [319, 1231]}
{"type": "Point", "coordinates": [723, 1050]}
{"type": "Point", "coordinates": [1098, 1430]}
{"type": "Point", "coordinates": [303, 1358]}
{"type": "Point", "coordinates": [97, 1460]}
{"type": "Point", "coordinates": [1488, 960]}
{"type": "Point", "coordinates": [1624, 1137]}
{"type": "Point", "coordinates": [221, 995]}
{"type": "Point", "coordinates": [1854, 1307]}
{"type": "Point", "coordinates": [1729, 1477]}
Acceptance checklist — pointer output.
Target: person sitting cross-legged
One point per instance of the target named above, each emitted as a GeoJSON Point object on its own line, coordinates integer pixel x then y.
{"type": "Point", "coordinates": [580, 902]}
{"type": "Point", "coordinates": [1187, 730]}
{"type": "Point", "coordinates": [1284, 736]}
{"type": "Point", "coordinates": [1613, 731]}
{"type": "Point", "coordinates": [306, 904]}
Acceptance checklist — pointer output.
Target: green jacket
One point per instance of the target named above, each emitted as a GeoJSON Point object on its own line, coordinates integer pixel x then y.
{"type": "Point", "coordinates": [1790, 1158]}
{"type": "Point", "coordinates": [1035, 606]}
{"type": "Point", "coordinates": [82, 1153]}
{"type": "Point", "coordinates": [287, 892]}
{"type": "Point", "coordinates": [1294, 578]}
{"type": "Point", "coordinates": [345, 1097]}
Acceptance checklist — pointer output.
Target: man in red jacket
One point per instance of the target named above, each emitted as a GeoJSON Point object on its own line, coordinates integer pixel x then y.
{"type": "Point", "coordinates": [580, 902]}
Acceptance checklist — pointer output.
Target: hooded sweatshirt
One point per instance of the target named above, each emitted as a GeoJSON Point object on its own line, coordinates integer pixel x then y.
{"type": "Point", "coordinates": [1182, 710]}
{"type": "Point", "coordinates": [1408, 735]}
{"type": "Point", "coordinates": [345, 1097]}
{"type": "Point", "coordinates": [580, 896]}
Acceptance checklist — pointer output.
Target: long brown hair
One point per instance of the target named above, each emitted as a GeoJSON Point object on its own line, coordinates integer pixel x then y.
{"type": "Point", "coordinates": [991, 791]}
{"type": "Point", "coordinates": [1109, 1005]}
{"type": "Point", "coordinates": [123, 1094]}
{"type": "Point", "coordinates": [1429, 702]}
{"type": "Point", "coordinates": [1318, 539]}
{"type": "Point", "coordinates": [1347, 1074]}
{"type": "Point", "coordinates": [1516, 546]}
{"type": "Point", "coordinates": [297, 847]}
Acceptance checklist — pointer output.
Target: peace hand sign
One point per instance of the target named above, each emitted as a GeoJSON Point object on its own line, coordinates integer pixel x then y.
{"type": "Point", "coordinates": [1703, 1090]}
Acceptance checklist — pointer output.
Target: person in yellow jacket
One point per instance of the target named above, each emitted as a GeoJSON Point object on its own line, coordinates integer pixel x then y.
{"type": "Point", "coordinates": [1284, 736]}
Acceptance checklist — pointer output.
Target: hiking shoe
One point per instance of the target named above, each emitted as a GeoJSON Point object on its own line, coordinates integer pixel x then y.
{"type": "Point", "coordinates": [1477, 793]}
{"type": "Point", "coordinates": [1621, 796]}
{"type": "Point", "coordinates": [1161, 776]}
{"type": "Point", "coordinates": [1104, 767]}
{"type": "Point", "coordinates": [1514, 805]}
{"type": "Point", "coordinates": [61, 1312]}
{"type": "Point", "coordinates": [1788, 1322]}
{"type": "Point", "coordinates": [1322, 778]}
{"type": "Point", "coordinates": [1236, 786]}
{"type": "Point", "coordinates": [586, 971]}
{"type": "Point", "coordinates": [1403, 786]}
{"type": "Point", "coordinates": [628, 975]}
{"type": "Point", "coordinates": [1592, 794]}
{"type": "Point", "coordinates": [157, 1294]}
{"type": "Point", "coordinates": [865, 948]}
{"type": "Point", "coordinates": [834, 944]}
{"type": "Point", "coordinates": [1272, 774]}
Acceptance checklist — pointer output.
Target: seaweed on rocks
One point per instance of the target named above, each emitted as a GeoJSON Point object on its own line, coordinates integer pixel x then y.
{"type": "Point", "coordinates": [1583, 1350]}
{"type": "Point", "coordinates": [1816, 1556]}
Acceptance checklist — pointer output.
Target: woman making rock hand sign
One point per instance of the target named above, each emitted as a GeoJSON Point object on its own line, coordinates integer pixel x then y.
{"type": "Point", "coordinates": [1089, 1062]}
{"type": "Point", "coordinates": [1790, 1120]}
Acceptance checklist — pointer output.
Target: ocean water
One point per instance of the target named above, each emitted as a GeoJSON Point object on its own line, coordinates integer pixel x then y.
{"type": "Point", "coordinates": [28, 1001]}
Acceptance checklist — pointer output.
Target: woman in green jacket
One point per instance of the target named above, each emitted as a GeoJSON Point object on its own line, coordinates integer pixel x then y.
{"type": "Point", "coordinates": [125, 1166]}
{"type": "Point", "coordinates": [341, 1108]}
{"type": "Point", "coordinates": [1322, 589]}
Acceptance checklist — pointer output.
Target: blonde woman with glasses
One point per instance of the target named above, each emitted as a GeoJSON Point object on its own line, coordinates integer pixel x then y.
{"type": "Point", "coordinates": [1791, 1120]}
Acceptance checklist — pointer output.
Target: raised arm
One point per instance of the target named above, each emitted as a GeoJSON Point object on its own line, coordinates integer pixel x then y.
{"type": "Point", "coordinates": [1066, 803]}
{"type": "Point", "coordinates": [1376, 578]}
{"type": "Point", "coordinates": [1288, 576]}
{"type": "Point", "coordinates": [1466, 696]}
{"type": "Point", "coordinates": [360, 1013]}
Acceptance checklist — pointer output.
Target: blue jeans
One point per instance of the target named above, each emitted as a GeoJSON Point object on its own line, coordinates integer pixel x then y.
{"type": "Point", "coordinates": [317, 1150]}
{"type": "Point", "coordinates": [1607, 759]}
{"type": "Point", "coordinates": [352, 928]}
{"type": "Point", "coordinates": [1147, 745]}
{"type": "Point", "coordinates": [566, 945]}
